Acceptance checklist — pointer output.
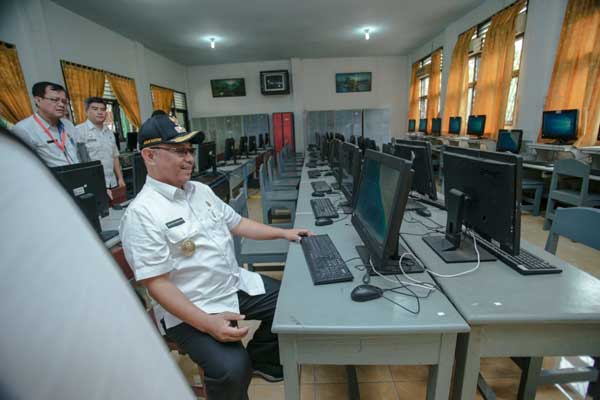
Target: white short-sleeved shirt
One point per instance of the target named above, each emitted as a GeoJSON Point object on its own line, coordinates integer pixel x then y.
{"type": "Point", "coordinates": [100, 145]}
{"type": "Point", "coordinates": [33, 134]}
{"type": "Point", "coordinates": [156, 224]}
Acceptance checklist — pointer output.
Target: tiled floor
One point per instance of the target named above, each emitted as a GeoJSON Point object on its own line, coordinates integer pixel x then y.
{"type": "Point", "coordinates": [382, 382]}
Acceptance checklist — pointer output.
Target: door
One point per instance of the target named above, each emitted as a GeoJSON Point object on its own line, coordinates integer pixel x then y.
{"type": "Point", "coordinates": [283, 130]}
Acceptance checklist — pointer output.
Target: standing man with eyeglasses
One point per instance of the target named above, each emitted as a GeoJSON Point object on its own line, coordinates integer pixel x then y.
{"type": "Point", "coordinates": [177, 237]}
{"type": "Point", "coordinates": [99, 141]}
{"type": "Point", "coordinates": [46, 131]}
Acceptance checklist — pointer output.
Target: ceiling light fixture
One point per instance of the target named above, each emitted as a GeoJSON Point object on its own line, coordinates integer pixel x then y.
{"type": "Point", "coordinates": [367, 34]}
{"type": "Point", "coordinates": [212, 43]}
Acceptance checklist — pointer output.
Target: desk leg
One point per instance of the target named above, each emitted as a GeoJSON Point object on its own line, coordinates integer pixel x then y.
{"type": "Point", "coordinates": [440, 375]}
{"type": "Point", "coordinates": [291, 371]}
{"type": "Point", "coordinates": [532, 368]}
{"type": "Point", "coordinates": [468, 352]}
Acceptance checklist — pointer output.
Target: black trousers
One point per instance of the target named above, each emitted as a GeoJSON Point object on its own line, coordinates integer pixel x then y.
{"type": "Point", "coordinates": [228, 366]}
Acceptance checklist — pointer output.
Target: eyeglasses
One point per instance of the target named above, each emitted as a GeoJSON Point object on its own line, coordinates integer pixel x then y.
{"type": "Point", "coordinates": [56, 100]}
{"type": "Point", "coordinates": [180, 151]}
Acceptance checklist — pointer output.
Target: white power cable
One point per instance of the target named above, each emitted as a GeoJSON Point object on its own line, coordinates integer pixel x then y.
{"type": "Point", "coordinates": [464, 272]}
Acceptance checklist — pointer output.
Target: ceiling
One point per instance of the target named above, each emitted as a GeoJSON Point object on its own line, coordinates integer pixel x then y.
{"type": "Point", "coordinates": [257, 30]}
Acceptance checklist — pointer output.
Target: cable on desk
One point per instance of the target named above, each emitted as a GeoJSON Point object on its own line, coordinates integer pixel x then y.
{"type": "Point", "coordinates": [463, 272]}
{"type": "Point", "coordinates": [341, 219]}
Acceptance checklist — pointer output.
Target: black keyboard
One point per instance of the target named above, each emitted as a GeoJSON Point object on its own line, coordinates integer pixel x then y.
{"type": "Point", "coordinates": [322, 163]}
{"type": "Point", "coordinates": [335, 186]}
{"type": "Point", "coordinates": [323, 208]}
{"type": "Point", "coordinates": [539, 162]}
{"type": "Point", "coordinates": [321, 186]}
{"type": "Point", "coordinates": [525, 263]}
{"type": "Point", "coordinates": [315, 173]}
{"type": "Point", "coordinates": [324, 262]}
{"type": "Point", "coordinates": [348, 186]}
{"type": "Point", "coordinates": [311, 165]}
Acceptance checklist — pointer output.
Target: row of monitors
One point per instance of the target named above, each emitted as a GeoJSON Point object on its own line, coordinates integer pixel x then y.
{"type": "Point", "coordinates": [560, 125]}
{"type": "Point", "coordinates": [382, 182]}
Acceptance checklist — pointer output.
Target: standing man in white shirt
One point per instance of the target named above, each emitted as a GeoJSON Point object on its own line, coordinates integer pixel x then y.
{"type": "Point", "coordinates": [177, 238]}
{"type": "Point", "coordinates": [46, 132]}
{"type": "Point", "coordinates": [99, 141]}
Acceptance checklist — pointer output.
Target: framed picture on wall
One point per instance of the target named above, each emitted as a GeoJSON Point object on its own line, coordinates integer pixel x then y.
{"type": "Point", "coordinates": [349, 82]}
{"type": "Point", "coordinates": [233, 87]}
{"type": "Point", "coordinates": [274, 82]}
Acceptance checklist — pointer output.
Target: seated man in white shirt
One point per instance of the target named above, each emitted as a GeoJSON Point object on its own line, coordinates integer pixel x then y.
{"type": "Point", "coordinates": [46, 131]}
{"type": "Point", "coordinates": [99, 141]}
{"type": "Point", "coordinates": [177, 238]}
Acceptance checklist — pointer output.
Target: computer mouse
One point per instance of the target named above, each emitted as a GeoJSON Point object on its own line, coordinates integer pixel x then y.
{"type": "Point", "coordinates": [323, 221]}
{"type": "Point", "coordinates": [318, 194]}
{"type": "Point", "coordinates": [423, 212]}
{"type": "Point", "coordinates": [366, 293]}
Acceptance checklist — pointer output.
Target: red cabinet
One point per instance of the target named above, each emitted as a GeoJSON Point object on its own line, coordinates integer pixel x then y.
{"type": "Point", "coordinates": [283, 130]}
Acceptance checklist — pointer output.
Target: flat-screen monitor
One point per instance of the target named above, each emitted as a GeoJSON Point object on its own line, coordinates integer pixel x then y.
{"type": "Point", "coordinates": [352, 139]}
{"type": "Point", "coordinates": [351, 163]}
{"type": "Point", "coordinates": [139, 172]}
{"type": "Point", "coordinates": [370, 144]}
{"type": "Point", "coordinates": [261, 141]}
{"type": "Point", "coordinates": [436, 126]}
{"type": "Point", "coordinates": [560, 125]}
{"type": "Point", "coordinates": [509, 140]}
{"type": "Point", "coordinates": [482, 191]}
{"type": "Point", "coordinates": [420, 153]}
{"type": "Point", "coordinates": [267, 139]}
{"type": "Point", "coordinates": [423, 125]}
{"type": "Point", "coordinates": [340, 137]}
{"type": "Point", "coordinates": [252, 144]}
{"type": "Point", "coordinates": [243, 146]}
{"type": "Point", "coordinates": [335, 148]}
{"type": "Point", "coordinates": [454, 126]}
{"type": "Point", "coordinates": [412, 125]}
{"type": "Point", "coordinates": [382, 194]}
{"type": "Point", "coordinates": [207, 157]}
{"type": "Point", "coordinates": [85, 178]}
{"type": "Point", "coordinates": [132, 141]}
{"type": "Point", "coordinates": [229, 153]}
{"type": "Point", "coordinates": [324, 148]}
{"type": "Point", "coordinates": [476, 125]}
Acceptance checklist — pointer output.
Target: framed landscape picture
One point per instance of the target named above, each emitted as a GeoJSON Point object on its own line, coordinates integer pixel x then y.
{"type": "Point", "coordinates": [353, 82]}
{"type": "Point", "coordinates": [228, 87]}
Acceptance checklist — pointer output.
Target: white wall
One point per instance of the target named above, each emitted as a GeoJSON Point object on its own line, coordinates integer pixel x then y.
{"type": "Point", "coordinates": [542, 33]}
{"type": "Point", "coordinates": [313, 88]}
{"type": "Point", "coordinates": [46, 33]}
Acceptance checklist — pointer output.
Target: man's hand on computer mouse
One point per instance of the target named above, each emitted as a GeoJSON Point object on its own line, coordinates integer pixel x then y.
{"type": "Point", "coordinates": [295, 235]}
{"type": "Point", "coordinates": [223, 327]}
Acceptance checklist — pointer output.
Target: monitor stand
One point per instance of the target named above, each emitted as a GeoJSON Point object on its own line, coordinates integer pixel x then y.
{"type": "Point", "coordinates": [391, 266]}
{"type": "Point", "coordinates": [452, 247]}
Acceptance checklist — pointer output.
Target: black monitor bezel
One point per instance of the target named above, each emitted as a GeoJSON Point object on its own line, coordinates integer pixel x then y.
{"type": "Point", "coordinates": [211, 146]}
{"type": "Point", "coordinates": [229, 149]}
{"type": "Point", "coordinates": [355, 173]}
{"type": "Point", "coordinates": [450, 125]}
{"type": "Point", "coordinates": [413, 123]}
{"type": "Point", "coordinates": [573, 137]}
{"type": "Point", "coordinates": [509, 131]}
{"type": "Point", "coordinates": [470, 132]}
{"type": "Point", "coordinates": [439, 130]}
{"type": "Point", "coordinates": [425, 148]}
{"type": "Point", "coordinates": [380, 253]}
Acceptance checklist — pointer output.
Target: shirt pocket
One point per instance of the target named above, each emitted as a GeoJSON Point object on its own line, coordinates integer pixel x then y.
{"type": "Point", "coordinates": [176, 237]}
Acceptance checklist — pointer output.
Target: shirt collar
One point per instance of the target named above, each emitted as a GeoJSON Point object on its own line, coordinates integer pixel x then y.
{"type": "Point", "coordinates": [169, 191]}
{"type": "Point", "coordinates": [60, 126]}
{"type": "Point", "coordinates": [91, 126]}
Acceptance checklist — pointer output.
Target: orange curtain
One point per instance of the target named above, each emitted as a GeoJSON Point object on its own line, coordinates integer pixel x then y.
{"type": "Point", "coordinates": [14, 101]}
{"type": "Point", "coordinates": [575, 82]}
{"type": "Point", "coordinates": [413, 102]}
{"type": "Point", "coordinates": [82, 83]}
{"type": "Point", "coordinates": [435, 80]}
{"type": "Point", "coordinates": [458, 82]}
{"type": "Point", "coordinates": [162, 98]}
{"type": "Point", "coordinates": [495, 72]}
{"type": "Point", "coordinates": [124, 89]}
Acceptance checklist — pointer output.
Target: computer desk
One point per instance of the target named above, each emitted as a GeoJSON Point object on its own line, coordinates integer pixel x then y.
{"type": "Point", "coordinates": [238, 174]}
{"type": "Point", "coordinates": [111, 222]}
{"type": "Point", "coordinates": [512, 315]}
{"type": "Point", "coordinates": [550, 170]}
{"type": "Point", "coordinates": [322, 325]}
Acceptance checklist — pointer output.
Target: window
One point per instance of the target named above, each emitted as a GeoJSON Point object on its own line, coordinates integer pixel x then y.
{"type": "Point", "coordinates": [423, 90]}
{"type": "Point", "coordinates": [476, 48]}
{"type": "Point", "coordinates": [179, 109]}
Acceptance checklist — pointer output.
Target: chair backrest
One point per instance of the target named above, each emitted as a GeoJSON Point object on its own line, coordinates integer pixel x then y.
{"type": "Point", "coordinates": [569, 167]}
{"type": "Point", "coordinates": [577, 223]}
{"type": "Point", "coordinates": [240, 206]}
{"type": "Point", "coordinates": [265, 185]}
{"type": "Point", "coordinates": [270, 171]}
